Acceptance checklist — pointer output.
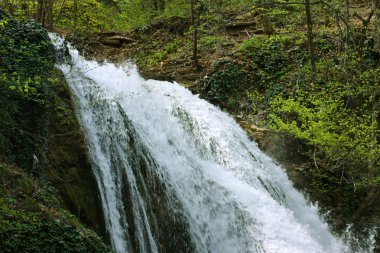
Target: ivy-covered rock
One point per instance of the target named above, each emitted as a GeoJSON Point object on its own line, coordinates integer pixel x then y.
{"type": "Point", "coordinates": [42, 185]}
{"type": "Point", "coordinates": [26, 57]}
{"type": "Point", "coordinates": [226, 80]}
{"type": "Point", "coordinates": [32, 220]}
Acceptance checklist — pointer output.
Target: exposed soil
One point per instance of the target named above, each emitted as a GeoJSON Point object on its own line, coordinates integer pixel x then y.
{"type": "Point", "coordinates": [229, 29]}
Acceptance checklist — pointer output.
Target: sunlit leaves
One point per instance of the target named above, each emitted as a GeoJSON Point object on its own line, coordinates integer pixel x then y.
{"type": "Point", "coordinates": [325, 120]}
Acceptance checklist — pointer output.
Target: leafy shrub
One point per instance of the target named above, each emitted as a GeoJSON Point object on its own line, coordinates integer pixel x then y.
{"type": "Point", "coordinates": [211, 41]}
{"type": "Point", "coordinates": [27, 232]}
{"type": "Point", "coordinates": [272, 58]}
{"type": "Point", "coordinates": [324, 120]}
{"type": "Point", "coordinates": [227, 78]}
{"type": "Point", "coordinates": [172, 46]}
{"type": "Point", "coordinates": [84, 15]}
{"type": "Point", "coordinates": [157, 57]}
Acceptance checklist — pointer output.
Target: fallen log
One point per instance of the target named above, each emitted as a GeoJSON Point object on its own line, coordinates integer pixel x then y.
{"type": "Point", "coordinates": [117, 40]}
{"type": "Point", "coordinates": [238, 25]}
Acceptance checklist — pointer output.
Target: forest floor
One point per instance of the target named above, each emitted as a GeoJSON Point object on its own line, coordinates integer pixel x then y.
{"type": "Point", "coordinates": [163, 50]}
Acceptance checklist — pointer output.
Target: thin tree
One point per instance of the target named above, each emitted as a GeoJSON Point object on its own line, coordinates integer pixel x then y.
{"type": "Point", "coordinates": [310, 42]}
{"type": "Point", "coordinates": [45, 13]}
{"type": "Point", "coordinates": [194, 23]}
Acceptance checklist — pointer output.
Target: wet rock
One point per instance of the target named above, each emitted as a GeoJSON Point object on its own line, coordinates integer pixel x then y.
{"type": "Point", "coordinates": [69, 167]}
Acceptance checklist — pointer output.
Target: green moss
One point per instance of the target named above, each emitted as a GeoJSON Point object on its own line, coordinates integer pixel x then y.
{"type": "Point", "coordinates": [29, 232]}
{"type": "Point", "coordinates": [227, 79]}
{"type": "Point", "coordinates": [32, 221]}
{"type": "Point", "coordinates": [33, 208]}
{"type": "Point", "coordinates": [69, 168]}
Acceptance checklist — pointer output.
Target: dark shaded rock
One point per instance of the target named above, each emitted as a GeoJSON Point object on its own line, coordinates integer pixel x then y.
{"type": "Point", "coordinates": [32, 218]}
{"type": "Point", "coordinates": [240, 25]}
{"type": "Point", "coordinates": [69, 167]}
{"type": "Point", "coordinates": [285, 149]}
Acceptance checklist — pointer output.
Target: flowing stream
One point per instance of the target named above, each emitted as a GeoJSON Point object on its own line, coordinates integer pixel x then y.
{"type": "Point", "coordinates": [176, 174]}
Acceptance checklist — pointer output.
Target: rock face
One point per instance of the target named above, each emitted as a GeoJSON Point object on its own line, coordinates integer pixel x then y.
{"type": "Point", "coordinates": [69, 167]}
{"type": "Point", "coordinates": [41, 138]}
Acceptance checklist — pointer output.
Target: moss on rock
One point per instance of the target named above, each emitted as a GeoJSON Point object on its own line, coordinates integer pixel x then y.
{"type": "Point", "coordinates": [31, 219]}
{"type": "Point", "coordinates": [40, 137]}
{"type": "Point", "coordinates": [69, 167]}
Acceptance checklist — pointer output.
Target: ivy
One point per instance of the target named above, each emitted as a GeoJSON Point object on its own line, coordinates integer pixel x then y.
{"type": "Point", "coordinates": [26, 57]}
{"type": "Point", "coordinates": [226, 80]}
{"type": "Point", "coordinates": [32, 220]}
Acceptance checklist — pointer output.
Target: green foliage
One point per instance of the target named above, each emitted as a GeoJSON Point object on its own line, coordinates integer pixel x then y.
{"type": "Point", "coordinates": [84, 15]}
{"type": "Point", "coordinates": [211, 42]}
{"type": "Point", "coordinates": [27, 232]}
{"type": "Point", "coordinates": [226, 80]}
{"type": "Point", "coordinates": [73, 15]}
{"type": "Point", "coordinates": [138, 13]}
{"type": "Point", "coordinates": [226, 4]}
{"type": "Point", "coordinates": [324, 121]}
{"type": "Point", "coordinates": [256, 100]}
{"type": "Point", "coordinates": [25, 53]}
{"type": "Point", "coordinates": [172, 46]}
{"type": "Point", "coordinates": [31, 219]}
{"type": "Point", "coordinates": [180, 8]}
{"type": "Point", "coordinates": [135, 13]}
{"type": "Point", "coordinates": [27, 58]}
{"type": "Point", "coordinates": [157, 57]}
{"type": "Point", "coordinates": [273, 57]}
{"type": "Point", "coordinates": [22, 9]}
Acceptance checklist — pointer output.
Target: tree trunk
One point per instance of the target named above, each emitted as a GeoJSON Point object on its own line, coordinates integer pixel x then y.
{"type": "Point", "coordinates": [374, 131]}
{"type": "Point", "coordinates": [75, 13]}
{"type": "Point", "coordinates": [40, 13]}
{"type": "Point", "coordinates": [49, 14]}
{"type": "Point", "coordinates": [45, 13]}
{"type": "Point", "coordinates": [377, 29]}
{"type": "Point", "coordinates": [194, 22]}
{"type": "Point", "coordinates": [347, 23]}
{"type": "Point", "coordinates": [310, 35]}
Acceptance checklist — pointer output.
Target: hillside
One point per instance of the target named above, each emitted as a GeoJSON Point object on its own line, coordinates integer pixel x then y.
{"type": "Point", "coordinates": [302, 78]}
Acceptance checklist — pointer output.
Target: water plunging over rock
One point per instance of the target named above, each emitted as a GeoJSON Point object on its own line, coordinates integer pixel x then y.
{"type": "Point", "coordinates": [176, 174]}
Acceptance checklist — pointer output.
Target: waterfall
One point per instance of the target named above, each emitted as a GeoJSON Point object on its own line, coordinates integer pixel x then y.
{"type": "Point", "coordinates": [176, 174]}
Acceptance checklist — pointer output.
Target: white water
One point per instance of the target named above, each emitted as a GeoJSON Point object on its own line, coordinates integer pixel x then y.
{"type": "Point", "coordinates": [232, 196]}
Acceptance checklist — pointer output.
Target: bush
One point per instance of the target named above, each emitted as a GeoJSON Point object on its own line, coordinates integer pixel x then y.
{"type": "Point", "coordinates": [325, 121]}
{"type": "Point", "coordinates": [226, 80]}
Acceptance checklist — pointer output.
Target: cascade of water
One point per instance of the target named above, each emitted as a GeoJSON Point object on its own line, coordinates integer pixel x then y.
{"type": "Point", "coordinates": [176, 174]}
